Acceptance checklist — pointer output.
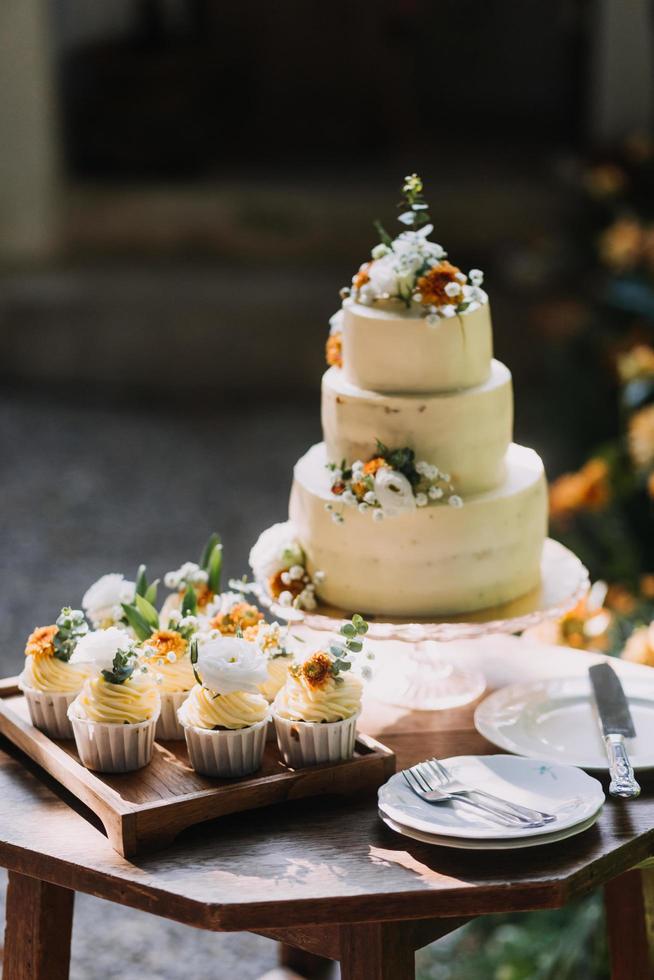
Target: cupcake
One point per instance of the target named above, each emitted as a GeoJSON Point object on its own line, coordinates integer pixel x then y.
{"type": "Point", "coordinates": [315, 712]}
{"type": "Point", "coordinates": [164, 651]}
{"type": "Point", "coordinates": [272, 642]}
{"type": "Point", "coordinates": [115, 714]}
{"type": "Point", "coordinates": [49, 681]}
{"type": "Point", "coordinates": [225, 718]}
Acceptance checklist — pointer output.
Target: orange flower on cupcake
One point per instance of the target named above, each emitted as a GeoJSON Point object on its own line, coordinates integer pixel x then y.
{"type": "Point", "coordinates": [163, 642]}
{"type": "Point", "coordinates": [239, 617]}
{"type": "Point", "coordinates": [40, 643]}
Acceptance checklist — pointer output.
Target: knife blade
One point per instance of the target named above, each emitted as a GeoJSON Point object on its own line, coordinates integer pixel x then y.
{"type": "Point", "coordinates": [616, 724]}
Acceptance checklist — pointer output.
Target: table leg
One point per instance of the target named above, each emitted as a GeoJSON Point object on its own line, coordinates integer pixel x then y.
{"type": "Point", "coordinates": [376, 951]}
{"type": "Point", "coordinates": [306, 964]}
{"type": "Point", "coordinates": [38, 927]}
{"type": "Point", "coordinates": [629, 902]}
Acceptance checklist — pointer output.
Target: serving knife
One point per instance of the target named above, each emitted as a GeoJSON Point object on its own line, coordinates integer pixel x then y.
{"type": "Point", "coordinates": [616, 724]}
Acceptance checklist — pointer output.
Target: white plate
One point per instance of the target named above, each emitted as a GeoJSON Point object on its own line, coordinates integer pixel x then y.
{"type": "Point", "coordinates": [568, 793]}
{"type": "Point", "coordinates": [463, 843]}
{"type": "Point", "coordinates": [556, 720]}
{"type": "Point", "coordinates": [486, 845]}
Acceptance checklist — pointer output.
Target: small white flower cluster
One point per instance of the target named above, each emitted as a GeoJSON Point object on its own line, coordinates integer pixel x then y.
{"type": "Point", "coordinates": [187, 574]}
{"type": "Point", "coordinates": [271, 640]}
{"type": "Point", "coordinates": [389, 492]}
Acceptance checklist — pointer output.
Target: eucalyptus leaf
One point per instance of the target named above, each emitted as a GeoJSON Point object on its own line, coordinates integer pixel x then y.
{"type": "Point", "coordinates": [337, 651]}
{"type": "Point", "coordinates": [355, 646]}
{"type": "Point", "coordinates": [348, 629]}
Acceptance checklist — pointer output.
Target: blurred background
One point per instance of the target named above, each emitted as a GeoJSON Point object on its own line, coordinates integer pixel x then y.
{"type": "Point", "coordinates": [185, 185]}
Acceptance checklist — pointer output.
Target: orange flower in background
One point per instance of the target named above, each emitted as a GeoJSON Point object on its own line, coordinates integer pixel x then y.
{"type": "Point", "coordinates": [620, 245]}
{"type": "Point", "coordinates": [639, 648]}
{"type": "Point", "coordinates": [620, 600]}
{"type": "Point", "coordinates": [239, 617]}
{"type": "Point", "coordinates": [432, 285]}
{"type": "Point", "coordinates": [636, 363]}
{"type": "Point", "coordinates": [334, 350]}
{"type": "Point", "coordinates": [362, 276]}
{"type": "Point", "coordinates": [605, 180]}
{"type": "Point", "coordinates": [641, 437]}
{"type": "Point", "coordinates": [276, 585]}
{"type": "Point", "coordinates": [40, 642]}
{"type": "Point", "coordinates": [164, 642]}
{"type": "Point", "coordinates": [317, 669]}
{"type": "Point", "coordinates": [203, 594]}
{"type": "Point", "coordinates": [586, 490]}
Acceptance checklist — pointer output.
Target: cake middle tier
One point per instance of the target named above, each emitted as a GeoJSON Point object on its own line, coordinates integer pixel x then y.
{"type": "Point", "coordinates": [435, 560]}
{"type": "Point", "coordinates": [465, 433]}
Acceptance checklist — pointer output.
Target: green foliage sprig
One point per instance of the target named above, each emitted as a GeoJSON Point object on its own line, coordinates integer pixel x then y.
{"type": "Point", "coordinates": [211, 561]}
{"type": "Point", "coordinates": [417, 209]}
{"type": "Point", "coordinates": [147, 591]}
{"type": "Point", "coordinates": [71, 627]}
{"type": "Point", "coordinates": [193, 653]}
{"type": "Point", "coordinates": [123, 667]}
{"type": "Point", "coordinates": [141, 616]}
{"type": "Point", "coordinates": [403, 460]}
{"type": "Point", "coordinates": [342, 652]}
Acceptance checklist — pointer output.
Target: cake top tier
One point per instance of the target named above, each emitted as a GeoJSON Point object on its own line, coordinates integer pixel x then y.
{"type": "Point", "coordinates": [412, 274]}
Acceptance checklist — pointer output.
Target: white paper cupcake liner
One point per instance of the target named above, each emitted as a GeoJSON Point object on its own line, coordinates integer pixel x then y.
{"type": "Point", "coordinates": [168, 726]}
{"type": "Point", "coordinates": [226, 753]}
{"type": "Point", "coordinates": [306, 743]}
{"type": "Point", "coordinates": [49, 710]}
{"type": "Point", "coordinates": [105, 747]}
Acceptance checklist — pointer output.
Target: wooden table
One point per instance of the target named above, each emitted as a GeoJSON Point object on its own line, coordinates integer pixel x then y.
{"type": "Point", "coordinates": [326, 878]}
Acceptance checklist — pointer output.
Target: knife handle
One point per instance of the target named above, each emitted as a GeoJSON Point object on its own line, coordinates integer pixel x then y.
{"type": "Point", "coordinates": [623, 781]}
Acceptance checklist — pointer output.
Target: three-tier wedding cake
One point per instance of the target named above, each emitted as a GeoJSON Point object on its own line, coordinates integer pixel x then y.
{"type": "Point", "coordinates": [417, 503]}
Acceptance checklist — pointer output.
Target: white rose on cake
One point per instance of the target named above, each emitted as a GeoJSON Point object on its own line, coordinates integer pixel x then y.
{"type": "Point", "coordinates": [102, 600]}
{"type": "Point", "coordinates": [394, 492]}
{"type": "Point", "coordinates": [275, 551]}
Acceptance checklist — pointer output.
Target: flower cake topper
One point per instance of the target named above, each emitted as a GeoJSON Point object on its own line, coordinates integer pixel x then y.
{"type": "Point", "coordinates": [228, 664]}
{"type": "Point", "coordinates": [389, 484]}
{"type": "Point", "coordinates": [414, 271]}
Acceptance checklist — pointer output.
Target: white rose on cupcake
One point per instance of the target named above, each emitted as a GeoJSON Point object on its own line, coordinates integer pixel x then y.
{"type": "Point", "coordinates": [102, 600]}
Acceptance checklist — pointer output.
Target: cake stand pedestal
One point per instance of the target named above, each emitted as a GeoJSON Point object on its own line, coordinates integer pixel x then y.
{"type": "Point", "coordinates": [416, 664]}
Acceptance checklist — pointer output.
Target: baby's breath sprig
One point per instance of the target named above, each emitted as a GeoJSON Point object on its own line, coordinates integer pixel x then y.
{"type": "Point", "coordinates": [122, 668]}
{"type": "Point", "coordinates": [71, 627]}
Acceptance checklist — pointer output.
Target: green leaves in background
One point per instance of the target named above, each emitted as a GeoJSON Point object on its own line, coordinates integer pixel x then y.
{"type": "Point", "coordinates": [141, 616]}
{"type": "Point", "coordinates": [148, 592]}
{"type": "Point", "coordinates": [189, 602]}
{"type": "Point", "coordinates": [212, 561]}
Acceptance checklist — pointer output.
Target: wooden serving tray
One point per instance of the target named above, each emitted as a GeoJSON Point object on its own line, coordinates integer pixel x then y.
{"type": "Point", "coordinates": [146, 809]}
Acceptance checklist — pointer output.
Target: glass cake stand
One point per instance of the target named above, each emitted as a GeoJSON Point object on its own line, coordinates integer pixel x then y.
{"type": "Point", "coordinates": [414, 669]}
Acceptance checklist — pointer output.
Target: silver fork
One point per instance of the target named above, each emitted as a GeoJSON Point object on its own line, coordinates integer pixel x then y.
{"type": "Point", "coordinates": [423, 786]}
{"type": "Point", "coordinates": [448, 782]}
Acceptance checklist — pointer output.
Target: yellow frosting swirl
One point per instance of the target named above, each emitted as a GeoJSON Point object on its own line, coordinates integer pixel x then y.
{"type": "Point", "coordinates": [136, 700]}
{"type": "Point", "coordinates": [277, 674]}
{"type": "Point", "coordinates": [173, 677]}
{"type": "Point", "coordinates": [300, 701]}
{"type": "Point", "coordinates": [204, 709]}
{"type": "Point", "coordinates": [53, 674]}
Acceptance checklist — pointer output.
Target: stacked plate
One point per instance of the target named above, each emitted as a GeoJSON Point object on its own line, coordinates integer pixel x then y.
{"type": "Point", "coordinates": [570, 795]}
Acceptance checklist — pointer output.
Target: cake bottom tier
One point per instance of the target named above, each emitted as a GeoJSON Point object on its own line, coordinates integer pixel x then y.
{"type": "Point", "coordinates": [434, 561]}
